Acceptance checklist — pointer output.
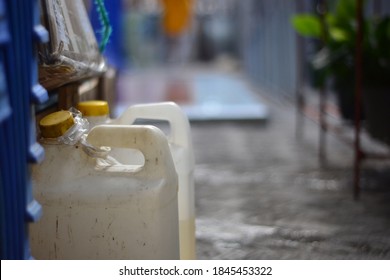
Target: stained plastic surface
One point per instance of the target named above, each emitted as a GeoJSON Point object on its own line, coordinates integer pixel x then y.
{"type": "Point", "coordinates": [180, 143]}
{"type": "Point", "coordinates": [97, 208]}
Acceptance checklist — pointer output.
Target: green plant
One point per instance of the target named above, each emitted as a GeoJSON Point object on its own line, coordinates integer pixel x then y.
{"type": "Point", "coordinates": [336, 29]}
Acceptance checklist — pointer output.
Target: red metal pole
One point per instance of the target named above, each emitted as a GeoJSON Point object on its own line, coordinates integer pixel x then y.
{"type": "Point", "coordinates": [358, 96]}
{"type": "Point", "coordinates": [322, 8]}
{"type": "Point", "coordinates": [299, 95]}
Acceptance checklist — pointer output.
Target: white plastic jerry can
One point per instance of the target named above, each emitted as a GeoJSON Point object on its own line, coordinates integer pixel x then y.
{"type": "Point", "coordinates": [180, 143]}
{"type": "Point", "coordinates": [95, 208]}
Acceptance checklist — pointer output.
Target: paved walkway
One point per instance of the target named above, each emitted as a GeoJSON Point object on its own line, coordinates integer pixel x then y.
{"type": "Point", "coordinates": [260, 193]}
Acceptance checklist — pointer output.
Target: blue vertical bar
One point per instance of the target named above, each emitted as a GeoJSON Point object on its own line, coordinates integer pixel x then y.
{"type": "Point", "coordinates": [18, 131]}
{"type": "Point", "coordinates": [12, 148]}
{"type": "Point", "coordinates": [5, 109]}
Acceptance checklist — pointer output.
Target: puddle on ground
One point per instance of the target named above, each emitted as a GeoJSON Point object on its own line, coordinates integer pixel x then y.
{"type": "Point", "coordinates": [230, 232]}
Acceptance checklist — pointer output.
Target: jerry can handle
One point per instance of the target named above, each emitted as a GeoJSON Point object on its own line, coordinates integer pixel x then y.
{"type": "Point", "coordinates": [149, 140]}
{"type": "Point", "coordinates": [167, 111]}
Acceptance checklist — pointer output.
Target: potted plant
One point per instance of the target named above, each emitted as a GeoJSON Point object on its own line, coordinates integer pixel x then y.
{"type": "Point", "coordinates": [336, 30]}
{"type": "Point", "coordinates": [335, 60]}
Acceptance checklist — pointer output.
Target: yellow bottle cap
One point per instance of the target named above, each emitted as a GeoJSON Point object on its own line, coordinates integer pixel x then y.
{"type": "Point", "coordinates": [56, 124]}
{"type": "Point", "coordinates": [93, 108]}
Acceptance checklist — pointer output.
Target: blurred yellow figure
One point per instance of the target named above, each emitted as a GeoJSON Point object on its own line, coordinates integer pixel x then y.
{"type": "Point", "coordinates": [176, 23]}
{"type": "Point", "coordinates": [177, 16]}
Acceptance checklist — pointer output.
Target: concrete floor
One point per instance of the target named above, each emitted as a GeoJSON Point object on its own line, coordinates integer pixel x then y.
{"type": "Point", "coordinates": [260, 194]}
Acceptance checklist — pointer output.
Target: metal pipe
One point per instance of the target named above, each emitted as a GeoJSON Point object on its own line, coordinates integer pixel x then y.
{"type": "Point", "coordinates": [358, 96]}
{"type": "Point", "coordinates": [322, 9]}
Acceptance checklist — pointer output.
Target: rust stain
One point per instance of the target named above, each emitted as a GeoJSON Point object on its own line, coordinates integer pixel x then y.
{"type": "Point", "coordinates": [55, 250]}
{"type": "Point", "coordinates": [56, 226]}
{"type": "Point", "coordinates": [70, 234]}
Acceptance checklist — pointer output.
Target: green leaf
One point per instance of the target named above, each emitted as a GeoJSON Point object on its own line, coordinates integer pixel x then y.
{"type": "Point", "coordinates": [339, 35]}
{"type": "Point", "coordinates": [346, 10]}
{"type": "Point", "coordinates": [330, 20]}
{"type": "Point", "coordinates": [307, 25]}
